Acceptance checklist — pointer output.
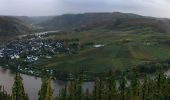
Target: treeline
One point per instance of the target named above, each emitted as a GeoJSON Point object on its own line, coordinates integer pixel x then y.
{"type": "Point", "coordinates": [129, 87]}
{"type": "Point", "coordinates": [125, 88]}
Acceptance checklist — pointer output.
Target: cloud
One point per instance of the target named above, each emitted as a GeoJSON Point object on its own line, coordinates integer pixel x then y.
{"type": "Point", "coordinates": [27, 7]}
{"type": "Point", "coordinates": [158, 8]}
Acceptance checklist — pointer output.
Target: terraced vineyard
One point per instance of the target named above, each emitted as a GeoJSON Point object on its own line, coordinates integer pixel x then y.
{"type": "Point", "coordinates": [121, 50]}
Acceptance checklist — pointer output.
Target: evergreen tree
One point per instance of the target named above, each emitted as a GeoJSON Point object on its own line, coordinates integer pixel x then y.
{"type": "Point", "coordinates": [161, 83]}
{"type": "Point", "coordinates": [112, 89]}
{"type": "Point", "coordinates": [135, 86]}
{"type": "Point", "coordinates": [63, 94]}
{"type": "Point", "coordinates": [3, 94]}
{"type": "Point", "coordinates": [87, 95]}
{"type": "Point", "coordinates": [122, 87]}
{"type": "Point", "coordinates": [18, 92]}
{"type": "Point", "coordinates": [75, 90]}
{"type": "Point", "coordinates": [98, 89]}
{"type": "Point", "coordinates": [144, 88]}
{"type": "Point", "coordinates": [46, 92]}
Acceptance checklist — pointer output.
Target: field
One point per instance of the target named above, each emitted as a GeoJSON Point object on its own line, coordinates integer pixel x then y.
{"type": "Point", "coordinates": [121, 50]}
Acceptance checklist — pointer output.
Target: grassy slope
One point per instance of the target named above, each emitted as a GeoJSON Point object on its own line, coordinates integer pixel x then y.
{"type": "Point", "coordinates": [159, 52]}
{"type": "Point", "coordinates": [90, 59]}
{"type": "Point", "coordinates": [116, 54]}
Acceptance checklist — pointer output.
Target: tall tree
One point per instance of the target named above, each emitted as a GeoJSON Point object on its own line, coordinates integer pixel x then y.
{"type": "Point", "coordinates": [135, 86]}
{"type": "Point", "coordinates": [63, 93]}
{"type": "Point", "coordinates": [111, 85]}
{"type": "Point", "coordinates": [122, 87]}
{"type": "Point", "coordinates": [46, 92]}
{"type": "Point", "coordinates": [18, 92]}
{"type": "Point", "coordinates": [161, 83]}
{"type": "Point", "coordinates": [75, 90]}
{"type": "Point", "coordinates": [3, 94]}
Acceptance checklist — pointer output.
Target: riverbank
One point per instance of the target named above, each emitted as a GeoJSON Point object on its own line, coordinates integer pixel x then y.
{"type": "Point", "coordinates": [32, 84]}
{"type": "Point", "coordinates": [143, 69]}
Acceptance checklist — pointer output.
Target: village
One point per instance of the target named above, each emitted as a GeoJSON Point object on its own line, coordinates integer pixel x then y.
{"type": "Point", "coordinates": [28, 50]}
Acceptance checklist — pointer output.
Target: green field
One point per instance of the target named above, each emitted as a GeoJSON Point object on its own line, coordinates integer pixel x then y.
{"type": "Point", "coordinates": [121, 50]}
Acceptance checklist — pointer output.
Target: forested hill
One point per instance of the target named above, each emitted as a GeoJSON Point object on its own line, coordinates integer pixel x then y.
{"type": "Point", "coordinates": [115, 20]}
{"type": "Point", "coordinates": [12, 26]}
{"type": "Point", "coordinates": [16, 25]}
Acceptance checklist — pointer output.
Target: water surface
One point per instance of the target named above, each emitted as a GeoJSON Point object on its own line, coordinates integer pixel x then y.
{"type": "Point", "coordinates": [33, 84]}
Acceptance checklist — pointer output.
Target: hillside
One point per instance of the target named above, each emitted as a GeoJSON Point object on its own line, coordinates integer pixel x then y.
{"type": "Point", "coordinates": [39, 19]}
{"type": "Point", "coordinates": [116, 20]}
{"type": "Point", "coordinates": [99, 42]}
{"type": "Point", "coordinates": [119, 50]}
{"type": "Point", "coordinates": [12, 26]}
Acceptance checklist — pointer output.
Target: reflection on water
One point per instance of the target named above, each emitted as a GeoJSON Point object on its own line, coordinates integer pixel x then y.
{"type": "Point", "coordinates": [32, 84]}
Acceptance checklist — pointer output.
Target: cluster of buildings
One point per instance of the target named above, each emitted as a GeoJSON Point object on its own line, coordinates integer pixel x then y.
{"type": "Point", "coordinates": [31, 49]}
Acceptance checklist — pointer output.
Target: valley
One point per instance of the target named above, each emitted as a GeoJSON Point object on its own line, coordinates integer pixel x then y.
{"type": "Point", "coordinates": [88, 47]}
{"type": "Point", "coordinates": [82, 52]}
{"type": "Point", "coordinates": [88, 53]}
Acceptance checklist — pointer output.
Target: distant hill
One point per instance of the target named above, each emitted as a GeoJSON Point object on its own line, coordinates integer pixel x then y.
{"type": "Point", "coordinates": [115, 20]}
{"type": "Point", "coordinates": [17, 25]}
{"type": "Point", "coordinates": [25, 19]}
{"type": "Point", "coordinates": [12, 26]}
{"type": "Point", "coordinates": [39, 19]}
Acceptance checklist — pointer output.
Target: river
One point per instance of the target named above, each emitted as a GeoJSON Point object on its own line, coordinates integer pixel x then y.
{"type": "Point", "coordinates": [32, 84]}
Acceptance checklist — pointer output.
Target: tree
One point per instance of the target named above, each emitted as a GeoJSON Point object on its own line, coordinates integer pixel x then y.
{"type": "Point", "coordinates": [99, 89]}
{"type": "Point", "coordinates": [63, 94]}
{"type": "Point", "coordinates": [3, 94]}
{"type": "Point", "coordinates": [135, 86]}
{"type": "Point", "coordinates": [18, 92]}
{"type": "Point", "coordinates": [87, 95]}
{"type": "Point", "coordinates": [46, 92]}
{"type": "Point", "coordinates": [75, 90]}
{"type": "Point", "coordinates": [122, 87]}
{"type": "Point", "coordinates": [161, 83]}
{"type": "Point", "coordinates": [111, 85]}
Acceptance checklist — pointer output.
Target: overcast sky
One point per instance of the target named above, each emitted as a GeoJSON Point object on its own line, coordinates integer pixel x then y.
{"type": "Point", "coordinates": [157, 8]}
